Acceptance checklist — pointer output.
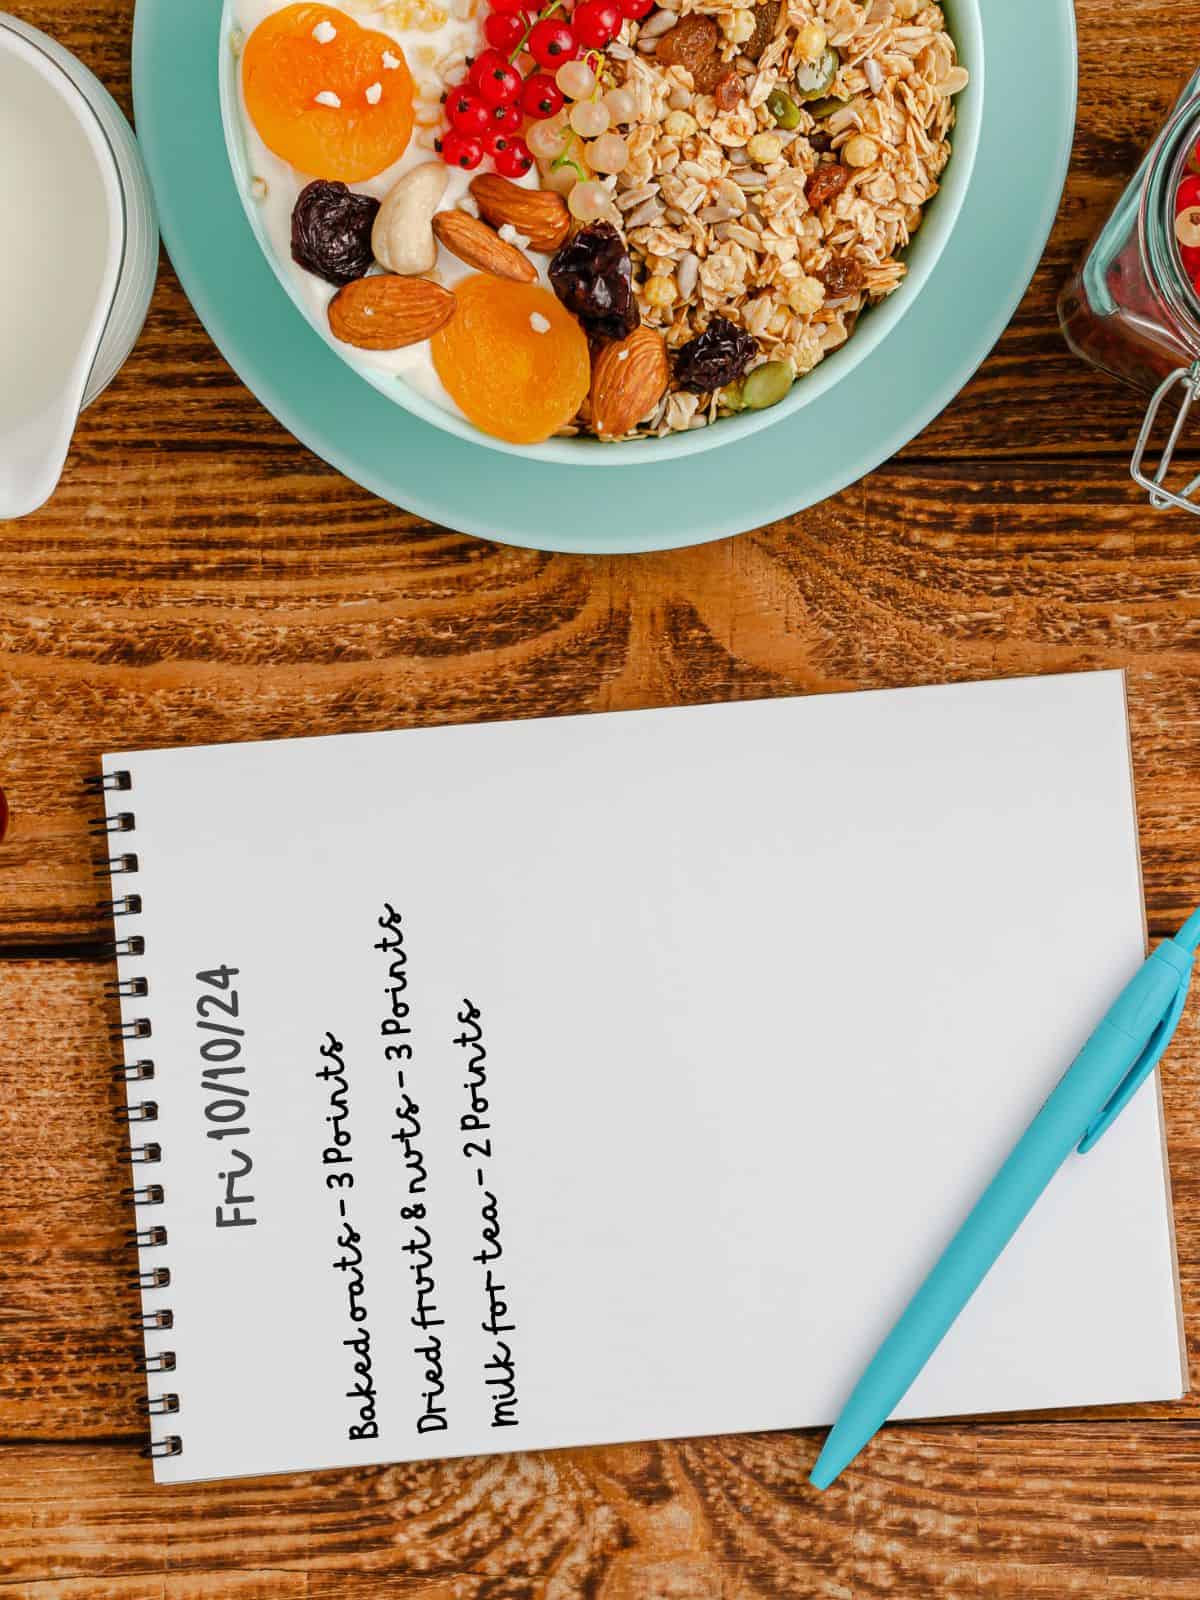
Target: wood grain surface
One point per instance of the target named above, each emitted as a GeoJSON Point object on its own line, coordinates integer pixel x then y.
{"type": "Point", "coordinates": [200, 577]}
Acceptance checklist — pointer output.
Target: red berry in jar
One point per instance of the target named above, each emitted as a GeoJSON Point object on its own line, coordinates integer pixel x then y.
{"type": "Point", "coordinates": [500, 86]}
{"type": "Point", "coordinates": [541, 97]}
{"type": "Point", "coordinates": [503, 119]}
{"type": "Point", "coordinates": [551, 43]}
{"type": "Point", "coordinates": [463, 150]}
{"type": "Point", "coordinates": [1188, 195]}
{"type": "Point", "coordinates": [504, 30]}
{"type": "Point", "coordinates": [596, 23]}
{"type": "Point", "coordinates": [635, 10]}
{"type": "Point", "coordinates": [466, 112]}
{"type": "Point", "coordinates": [514, 162]}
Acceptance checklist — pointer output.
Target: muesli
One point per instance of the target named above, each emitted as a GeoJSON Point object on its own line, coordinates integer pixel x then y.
{"type": "Point", "coordinates": [609, 217]}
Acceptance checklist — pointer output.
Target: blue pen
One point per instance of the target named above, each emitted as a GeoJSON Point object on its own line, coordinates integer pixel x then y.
{"type": "Point", "coordinates": [1101, 1081]}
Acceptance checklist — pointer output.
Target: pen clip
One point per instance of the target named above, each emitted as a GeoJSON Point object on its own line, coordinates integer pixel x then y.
{"type": "Point", "coordinates": [1138, 1073]}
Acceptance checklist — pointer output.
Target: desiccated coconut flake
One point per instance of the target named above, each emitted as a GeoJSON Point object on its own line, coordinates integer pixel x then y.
{"type": "Point", "coordinates": [538, 322]}
{"type": "Point", "coordinates": [328, 98]}
{"type": "Point", "coordinates": [324, 32]}
{"type": "Point", "coordinates": [512, 235]}
{"type": "Point", "coordinates": [374, 94]}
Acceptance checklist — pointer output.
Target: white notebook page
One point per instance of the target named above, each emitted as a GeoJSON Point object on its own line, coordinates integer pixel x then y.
{"type": "Point", "coordinates": [766, 991]}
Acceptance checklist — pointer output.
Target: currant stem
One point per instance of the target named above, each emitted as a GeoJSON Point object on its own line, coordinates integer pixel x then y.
{"type": "Point", "coordinates": [564, 157]}
{"type": "Point", "coordinates": [555, 5]}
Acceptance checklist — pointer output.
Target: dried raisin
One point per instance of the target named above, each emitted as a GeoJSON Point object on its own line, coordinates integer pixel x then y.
{"type": "Point", "coordinates": [730, 90]}
{"type": "Point", "coordinates": [826, 184]}
{"type": "Point", "coordinates": [715, 358]}
{"type": "Point", "coordinates": [842, 276]}
{"type": "Point", "coordinates": [765, 18]}
{"type": "Point", "coordinates": [331, 232]}
{"type": "Point", "coordinates": [593, 277]}
{"type": "Point", "coordinates": [693, 44]}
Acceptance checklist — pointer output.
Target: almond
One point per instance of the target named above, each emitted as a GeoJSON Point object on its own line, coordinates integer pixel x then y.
{"type": "Point", "coordinates": [387, 313]}
{"type": "Point", "coordinates": [540, 214]}
{"type": "Point", "coordinates": [482, 247]}
{"type": "Point", "coordinates": [629, 378]}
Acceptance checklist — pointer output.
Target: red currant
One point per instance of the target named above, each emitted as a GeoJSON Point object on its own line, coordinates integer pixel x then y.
{"type": "Point", "coordinates": [541, 97]}
{"type": "Point", "coordinates": [504, 30]}
{"type": "Point", "coordinates": [635, 10]}
{"type": "Point", "coordinates": [500, 86]}
{"type": "Point", "coordinates": [482, 65]}
{"type": "Point", "coordinates": [503, 119]}
{"type": "Point", "coordinates": [551, 43]}
{"type": "Point", "coordinates": [514, 162]}
{"type": "Point", "coordinates": [466, 112]}
{"type": "Point", "coordinates": [497, 143]}
{"type": "Point", "coordinates": [463, 150]}
{"type": "Point", "coordinates": [596, 23]}
{"type": "Point", "coordinates": [1188, 195]}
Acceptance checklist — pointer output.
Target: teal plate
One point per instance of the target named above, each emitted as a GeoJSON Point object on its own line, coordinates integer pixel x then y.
{"type": "Point", "coordinates": [1025, 144]}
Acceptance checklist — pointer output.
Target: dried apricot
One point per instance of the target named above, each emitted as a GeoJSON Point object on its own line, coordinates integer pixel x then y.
{"type": "Point", "coordinates": [327, 95]}
{"type": "Point", "coordinates": [513, 359]}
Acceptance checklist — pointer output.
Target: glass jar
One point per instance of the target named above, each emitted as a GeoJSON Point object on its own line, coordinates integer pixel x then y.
{"type": "Point", "coordinates": [1131, 308]}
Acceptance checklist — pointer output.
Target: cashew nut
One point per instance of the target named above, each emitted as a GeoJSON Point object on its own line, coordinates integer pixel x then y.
{"type": "Point", "coordinates": [402, 237]}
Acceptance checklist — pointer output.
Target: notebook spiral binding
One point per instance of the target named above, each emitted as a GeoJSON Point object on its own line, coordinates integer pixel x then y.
{"type": "Point", "coordinates": [145, 1235]}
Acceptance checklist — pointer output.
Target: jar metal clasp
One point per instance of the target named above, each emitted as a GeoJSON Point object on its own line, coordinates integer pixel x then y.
{"type": "Point", "coordinates": [1187, 378]}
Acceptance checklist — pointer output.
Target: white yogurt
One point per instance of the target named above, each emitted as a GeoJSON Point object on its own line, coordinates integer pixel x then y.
{"type": "Point", "coordinates": [433, 59]}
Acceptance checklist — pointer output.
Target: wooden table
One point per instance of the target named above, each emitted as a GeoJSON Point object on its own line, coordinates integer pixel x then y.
{"type": "Point", "coordinates": [199, 577]}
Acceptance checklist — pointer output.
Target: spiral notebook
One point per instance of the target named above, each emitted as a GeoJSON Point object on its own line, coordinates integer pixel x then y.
{"type": "Point", "coordinates": [618, 1077]}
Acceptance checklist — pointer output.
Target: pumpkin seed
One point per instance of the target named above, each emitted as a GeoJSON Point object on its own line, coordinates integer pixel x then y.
{"type": "Point", "coordinates": [815, 78]}
{"type": "Point", "coordinates": [766, 385]}
{"type": "Point", "coordinates": [825, 108]}
{"type": "Point", "coordinates": [784, 109]}
{"type": "Point", "coordinates": [731, 398]}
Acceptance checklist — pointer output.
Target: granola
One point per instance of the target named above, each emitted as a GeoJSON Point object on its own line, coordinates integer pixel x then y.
{"type": "Point", "coordinates": [789, 231]}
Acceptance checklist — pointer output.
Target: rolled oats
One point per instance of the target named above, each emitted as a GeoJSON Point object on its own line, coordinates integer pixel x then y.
{"type": "Point", "coordinates": [721, 207]}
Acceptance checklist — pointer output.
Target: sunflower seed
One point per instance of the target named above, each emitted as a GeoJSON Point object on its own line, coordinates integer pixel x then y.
{"type": "Point", "coordinates": [645, 215]}
{"type": "Point", "coordinates": [659, 22]}
{"type": "Point", "coordinates": [636, 197]}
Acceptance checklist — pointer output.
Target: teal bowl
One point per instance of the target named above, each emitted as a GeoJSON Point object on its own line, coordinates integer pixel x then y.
{"type": "Point", "coordinates": [966, 21]}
